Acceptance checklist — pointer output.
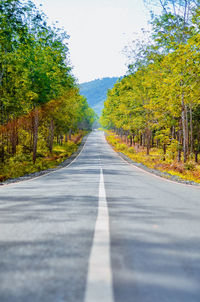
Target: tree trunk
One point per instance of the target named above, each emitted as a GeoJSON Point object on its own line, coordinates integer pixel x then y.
{"type": "Point", "coordinates": [31, 140]}
{"type": "Point", "coordinates": [179, 144]}
{"type": "Point", "coordinates": [173, 132]}
{"type": "Point", "coordinates": [187, 130]}
{"type": "Point", "coordinates": [196, 156]}
{"type": "Point", "coordinates": [184, 127]}
{"type": "Point", "coordinates": [51, 135]}
{"type": "Point", "coordinates": [126, 137]}
{"type": "Point", "coordinates": [164, 151]}
{"type": "Point", "coordinates": [35, 133]}
{"type": "Point", "coordinates": [191, 131]}
{"type": "Point", "coordinates": [13, 136]}
{"type": "Point", "coordinates": [70, 134]}
{"type": "Point", "coordinates": [140, 139]}
{"type": "Point", "coordinates": [133, 138]}
{"type": "Point", "coordinates": [152, 141]}
{"type": "Point", "coordinates": [2, 153]}
{"type": "Point", "coordinates": [143, 140]}
{"type": "Point", "coordinates": [61, 139]}
{"type": "Point", "coordinates": [148, 134]}
{"type": "Point", "coordinates": [131, 141]}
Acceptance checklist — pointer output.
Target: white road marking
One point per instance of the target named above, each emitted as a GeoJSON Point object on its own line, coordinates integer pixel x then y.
{"type": "Point", "coordinates": [99, 286]}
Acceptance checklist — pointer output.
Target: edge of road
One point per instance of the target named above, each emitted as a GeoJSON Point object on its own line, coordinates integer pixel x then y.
{"type": "Point", "coordinates": [163, 175]}
{"type": "Point", "coordinates": [34, 175]}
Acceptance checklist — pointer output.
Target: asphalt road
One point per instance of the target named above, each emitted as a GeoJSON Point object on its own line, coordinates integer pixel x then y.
{"type": "Point", "coordinates": [99, 226]}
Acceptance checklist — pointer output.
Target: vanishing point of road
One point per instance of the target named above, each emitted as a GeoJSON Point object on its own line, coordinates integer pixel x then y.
{"type": "Point", "coordinates": [99, 230]}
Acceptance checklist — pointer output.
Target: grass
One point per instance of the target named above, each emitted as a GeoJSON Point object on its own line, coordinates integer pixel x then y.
{"type": "Point", "coordinates": [189, 171]}
{"type": "Point", "coordinates": [21, 164]}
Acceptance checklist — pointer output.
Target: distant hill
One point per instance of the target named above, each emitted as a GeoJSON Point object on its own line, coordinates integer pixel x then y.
{"type": "Point", "coordinates": [96, 92]}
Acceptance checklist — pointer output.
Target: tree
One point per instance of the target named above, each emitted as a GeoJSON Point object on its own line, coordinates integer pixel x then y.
{"type": "Point", "coordinates": [36, 84]}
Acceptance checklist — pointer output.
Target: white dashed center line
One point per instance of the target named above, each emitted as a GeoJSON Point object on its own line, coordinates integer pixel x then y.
{"type": "Point", "coordinates": [99, 280]}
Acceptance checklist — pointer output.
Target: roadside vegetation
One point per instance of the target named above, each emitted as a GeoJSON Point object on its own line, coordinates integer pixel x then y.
{"type": "Point", "coordinates": [42, 114]}
{"type": "Point", "coordinates": [189, 171]}
{"type": "Point", "coordinates": [155, 109]}
{"type": "Point", "coordinates": [22, 164]}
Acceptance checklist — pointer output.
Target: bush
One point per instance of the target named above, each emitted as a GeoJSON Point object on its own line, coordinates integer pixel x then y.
{"type": "Point", "coordinates": [190, 166]}
{"type": "Point", "coordinates": [131, 150]}
{"type": "Point", "coordinates": [121, 147]}
{"type": "Point", "coordinates": [172, 149]}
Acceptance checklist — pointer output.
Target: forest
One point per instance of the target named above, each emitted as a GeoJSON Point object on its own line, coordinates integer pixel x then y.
{"type": "Point", "coordinates": [157, 104]}
{"type": "Point", "coordinates": [95, 92]}
{"type": "Point", "coordinates": [40, 104]}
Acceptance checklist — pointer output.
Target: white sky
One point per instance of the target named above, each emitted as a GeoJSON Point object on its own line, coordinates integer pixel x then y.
{"type": "Point", "coordinates": [98, 29]}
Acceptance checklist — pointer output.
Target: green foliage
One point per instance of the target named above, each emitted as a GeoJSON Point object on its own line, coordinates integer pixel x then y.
{"type": "Point", "coordinates": [158, 102]}
{"type": "Point", "coordinates": [39, 98]}
{"type": "Point", "coordinates": [189, 166]}
{"type": "Point", "coordinates": [21, 164]}
{"type": "Point", "coordinates": [131, 150]}
{"type": "Point", "coordinates": [120, 147]}
{"type": "Point", "coordinates": [189, 171]}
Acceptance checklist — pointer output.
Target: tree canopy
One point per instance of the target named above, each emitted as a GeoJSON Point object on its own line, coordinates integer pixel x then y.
{"type": "Point", "coordinates": [158, 103]}
{"type": "Point", "coordinates": [36, 82]}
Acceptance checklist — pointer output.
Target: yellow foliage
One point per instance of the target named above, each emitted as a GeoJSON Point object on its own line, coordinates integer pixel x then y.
{"type": "Point", "coordinates": [189, 171]}
{"type": "Point", "coordinates": [21, 164]}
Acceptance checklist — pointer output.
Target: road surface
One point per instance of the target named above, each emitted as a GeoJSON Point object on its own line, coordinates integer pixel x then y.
{"type": "Point", "coordinates": [99, 230]}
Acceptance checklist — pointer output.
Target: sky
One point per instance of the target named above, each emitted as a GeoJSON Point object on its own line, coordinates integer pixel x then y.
{"type": "Point", "coordinates": [98, 30]}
